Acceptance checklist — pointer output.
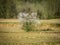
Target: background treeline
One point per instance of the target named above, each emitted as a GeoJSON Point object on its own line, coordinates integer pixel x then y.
{"type": "Point", "coordinates": [46, 9]}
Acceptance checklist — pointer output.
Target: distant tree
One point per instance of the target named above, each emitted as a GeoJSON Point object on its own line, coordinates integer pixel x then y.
{"type": "Point", "coordinates": [32, 1]}
{"type": "Point", "coordinates": [39, 14]}
{"type": "Point", "coordinates": [11, 9]}
{"type": "Point", "coordinates": [8, 9]}
{"type": "Point", "coordinates": [2, 9]}
{"type": "Point", "coordinates": [57, 13]}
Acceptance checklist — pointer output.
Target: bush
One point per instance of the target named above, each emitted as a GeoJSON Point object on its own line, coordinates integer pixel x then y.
{"type": "Point", "coordinates": [27, 26]}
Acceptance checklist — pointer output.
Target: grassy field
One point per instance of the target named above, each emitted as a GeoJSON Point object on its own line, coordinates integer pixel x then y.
{"type": "Point", "coordinates": [12, 34]}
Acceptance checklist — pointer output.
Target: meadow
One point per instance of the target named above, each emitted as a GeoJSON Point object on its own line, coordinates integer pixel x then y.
{"type": "Point", "coordinates": [46, 33]}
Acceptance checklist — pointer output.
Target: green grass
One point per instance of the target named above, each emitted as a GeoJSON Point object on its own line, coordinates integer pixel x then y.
{"type": "Point", "coordinates": [29, 38]}
{"type": "Point", "coordinates": [13, 35]}
{"type": "Point", "coordinates": [42, 43]}
{"type": "Point", "coordinates": [9, 22]}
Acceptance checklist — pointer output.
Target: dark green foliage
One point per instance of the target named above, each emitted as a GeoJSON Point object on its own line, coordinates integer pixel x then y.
{"type": "Point", "coordinates": [57, 13]}
{"type": "Point", "coordinates": [27, 26]}
{"type": "Point", "coordinates": [39, 14]}
{"type": "Point", "coordinates": [2, 9]}
{"type": "Point", "coordinates": [47, 8]}
{"type": "Point", "coordinates": [32, 1]}
{"type": "Point", "coordinates": [7, 9]}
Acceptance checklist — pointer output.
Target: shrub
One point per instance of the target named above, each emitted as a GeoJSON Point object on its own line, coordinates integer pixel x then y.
{"type": "Point", "coordinates": [27, 26]}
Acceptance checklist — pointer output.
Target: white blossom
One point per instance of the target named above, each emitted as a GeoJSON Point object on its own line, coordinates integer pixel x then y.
{"type": "Point", "coordinates": [26, 17]}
